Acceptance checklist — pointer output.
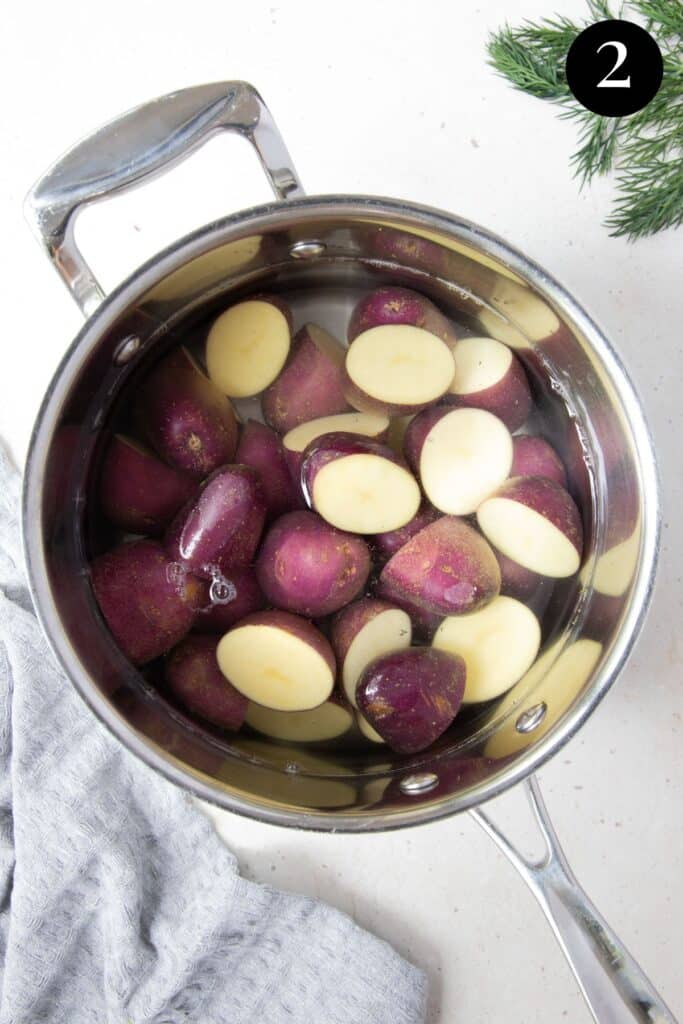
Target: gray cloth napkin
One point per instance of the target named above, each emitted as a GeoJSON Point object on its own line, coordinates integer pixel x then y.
{"type": "Point", "coordinates": [120, 904]}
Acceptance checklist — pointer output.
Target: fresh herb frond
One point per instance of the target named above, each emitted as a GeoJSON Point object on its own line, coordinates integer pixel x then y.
{"type": "Point", "coordinates": [646, 149]}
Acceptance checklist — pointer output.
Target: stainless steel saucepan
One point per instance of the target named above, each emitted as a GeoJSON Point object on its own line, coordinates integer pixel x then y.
{"type": "Point", "coordinates": [326, 249]}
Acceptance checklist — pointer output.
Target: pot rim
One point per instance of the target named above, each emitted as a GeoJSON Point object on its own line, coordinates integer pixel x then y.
{"type": "Point", "coordinates": [253, 221]}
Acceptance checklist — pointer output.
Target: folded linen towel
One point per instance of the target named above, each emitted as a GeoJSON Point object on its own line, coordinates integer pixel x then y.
{"type": "Point", "coordinates": [119, 904]}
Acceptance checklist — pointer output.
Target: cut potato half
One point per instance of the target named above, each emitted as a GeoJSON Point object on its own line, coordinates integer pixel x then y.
{"type": "Point", "coordinates": [479, 364]}
{"type": "Point", "coordinates": [365, 423]}
{"type": "Point", "coordinates": [398, 368]}
{"type": "Point", "coordinates": [498, 644]}
{"type": "Point", "coordinates": [327, 722]}
{"type": "Point", "coordinates": [247, 347]}
{"type": "Point", "coordinates": [389, 630]}
{"type": "Point", "coordinates": [283, 670]}
{"type": "Point", "coordinates": [465, 457]}
{"type": "Point", "coordinates": [528, 537]}
{"type": "Point", "coordinates": [365, 493]}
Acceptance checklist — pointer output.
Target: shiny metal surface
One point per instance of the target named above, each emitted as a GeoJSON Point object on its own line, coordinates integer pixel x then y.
{"type": "Point", "coordinates": [137, 146]}
{"type": "Point", "coordinates": [349, 243]}
{"type": "Point", "coordinates": [614, 986]}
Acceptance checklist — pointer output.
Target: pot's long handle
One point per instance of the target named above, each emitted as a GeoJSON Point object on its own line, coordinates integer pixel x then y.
{"type": "Point", "coordinates": [614, 986]}
{"type": "Point", "coordinates": [139, 145]}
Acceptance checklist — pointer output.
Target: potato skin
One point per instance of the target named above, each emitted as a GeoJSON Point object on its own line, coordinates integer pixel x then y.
{"type": "Point", "coordinates": [550, 500]}
{"type": "Point", "coordinates": [509, 398]}
{"type": "Point", "coordinates": [295, 459]}
{"type": "Point", "coordinates": [447, 568]}
{"type": "Point", "coordinates": [516, 580]}
{"type": "Point", "coordinates": [329, 447]}
{"type": "Point", "coordinates": [425, 624]}
{"type": "Point", "coordinates": [298, 627]}
{"type": "Point", "coordinates": [218, 618]}
{"type": "Point", "coordinates": [387, 544]}
{"type": "Point", "coordinates": [400, 306]}
{"type": "Point", "coordinates": [221, 525]}
{"type": "Point", "coordinates": [348, 622]}
{"type": "Point", "coordinates": [533, 456]}
{"type": "Point", "coordinates": [138, 492]}
{"type": "Point", "coordinates": [308, 387]}
{"type": "Point", "coordinates": [193, 676]}
{"type": "Point", "coordinates": [261, 448]}
{"type": "Point", "coordinates": [147, 605]}
{"type": "Point", "coordinates": [308, 567]}
{"type": "Point", "coordinates": [185, 418]}
{"type": "Point", "coordinates": [411, 697]}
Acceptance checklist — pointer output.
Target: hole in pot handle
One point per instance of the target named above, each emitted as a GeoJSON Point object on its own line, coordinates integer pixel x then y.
{"type": "Point", "coordinates": [613, 984]}
{"type": "Point", "coordinates": [139, 145]}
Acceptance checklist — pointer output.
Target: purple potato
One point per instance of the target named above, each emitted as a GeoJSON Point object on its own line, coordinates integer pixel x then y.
{"type": "Point", "coordinates": [243, 596]}
{"type": "Point", "coordinates": [193, 676]}
{"type": "Point", "coordinates": [532, 456]}
{"type": "Point", "coordinates": [262, 449]}
{"type": "Point", "coordinates": [138, 492]}
{"type": "Point", "coordinates": [393, 305]}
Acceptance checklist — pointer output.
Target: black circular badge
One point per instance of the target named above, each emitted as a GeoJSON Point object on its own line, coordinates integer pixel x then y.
{"type": "Point", "coordinates": [614, 68]}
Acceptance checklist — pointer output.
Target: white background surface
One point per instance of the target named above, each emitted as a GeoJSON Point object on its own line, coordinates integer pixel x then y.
{"type": "Point", "coordinates": [394, 99]}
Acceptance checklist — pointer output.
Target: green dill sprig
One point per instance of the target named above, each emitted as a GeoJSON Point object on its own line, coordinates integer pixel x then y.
{"type": "Point", "coordinates": [645, 150]}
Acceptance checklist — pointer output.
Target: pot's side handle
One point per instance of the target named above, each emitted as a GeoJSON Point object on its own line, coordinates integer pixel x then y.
{"type": "Point", "coordinates": [616, 989]}
{"type": "Point", "coordinates": [139, 145]}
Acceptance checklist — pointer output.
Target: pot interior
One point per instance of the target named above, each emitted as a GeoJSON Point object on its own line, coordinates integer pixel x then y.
{"type": "Point", "coordinates": [322, 256]}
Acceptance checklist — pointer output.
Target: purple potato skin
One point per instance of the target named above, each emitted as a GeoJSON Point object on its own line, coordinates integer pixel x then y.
{"type": "Point", "coordinates": [515, 580]}
{"type": "Point", "coordinates": [550, 500]}
{"type": "Point", "coordinates": [532, 456]}
{"type": "Point", "coordinates": [411, 250]}
{"type": "Point", "coordinates": [310, 568]}
{"type": "Point", "coordinates": [411, 697]}
{"type": "Point", "coordinates": [221, 525]}
{"type": "Point", "coordinates": [298, 627]}
{"type": "Point", "coordinates": [295, 459]}
{"type": "Point", "coordinates": [219, 618]}
{"type": "Point", "coordinates": [400, 306]}
{"type": "Point", "coordinates": [138, 492]}
{"type": "Point", "coordinates": [329, 447]}
{"type": "Point", "coordinates": [148, 605]}
{"type": "Point", "coordinates": [446, 569]}
{"type": "Point", "coordinates": [309, 386]}
{"type": "Point", "coordinates": [509, 398]}
{"type": "Point", "coordinates": [425, 624]}
{"type": "Point", "coordinates": [192, 674]}
{"type": "Point", "coordinates": [387, 544]}
{"type": "Point", "coordinates": [262, 449]}
{"type": "Point", "coordinates": [348, 622]}
{"type": "Point", "coordinates": [185, 418]}
{"type": "Point", "coordinates": [417, 432]}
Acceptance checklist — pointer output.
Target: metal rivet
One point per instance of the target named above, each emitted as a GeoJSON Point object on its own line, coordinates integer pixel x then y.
{"type": "Point", "coordinates": [307, 250]}
{"type": "Point", "coordinates": [126, 349]}
{"type": "Point", "coordinates": [421, 782]}
{"type": "Point", "coordinates": [531, 718]}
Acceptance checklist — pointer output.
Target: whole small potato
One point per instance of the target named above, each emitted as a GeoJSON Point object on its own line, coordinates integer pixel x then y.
{"type": "Point", "coordinates": [221, 525]}
{"type": "Point", "coordinates": [447, 568]}
{"type": "Point", "coordinates": [185, 418]}
{"type": "Point", "coordinates": [393, 305]}
{"type": "Point", "coordinates": [238, 596]}
{"type": "Point", "coordinates": [147, 603]}
{"type": "Point", "coordinates": [138, 492]}
{"type": "Point", "coordinates": [311, 385]}
{"type": "Point", "coordinates": [193, 676]}
{"type": "Point", "coordinates": [308, 567]}
{"type": "Point", "coordinates": [262, 449]}
{"type": "Point", "coordinates": [411, 697]}
{"type": "Point", "coordinates": [532, 456]}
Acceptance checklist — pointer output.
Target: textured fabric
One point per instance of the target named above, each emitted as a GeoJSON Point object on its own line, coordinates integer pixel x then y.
{"type": "Point", "coordinates": [120, 903]}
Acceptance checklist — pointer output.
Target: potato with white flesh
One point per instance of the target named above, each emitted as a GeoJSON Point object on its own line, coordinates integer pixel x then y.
{"type": "Point", "coordinates": [411, 697]}
{"type": "Point", "coordinates": [183, 415]}
{"type": "Point", "coordinates": [358, 485]}
{"type": "Point", "coordinates": [295, 442]}
{"type": "Point", "coordinates": [330, 721]}
{"type": "Point", "coordinates": [193, 676]}
{"type": "Point", "coordinates": [362, 632]}
{"type": "Point", "coordinates": [139, 492]}
{"type": "Point", "coordinates": [397, 369]}
{"type": "Point", "coordinates": [221, 524]}
{"type": "Point", "coordinates": [393, 305]}
{"type": "Point", "coordinates": [447, 569]}
{"type": "Point", "coordinates": [535, 522]}
{"type": "Point", "coordinates": [488, 375]}
{"type": "Point", "coordinates": [262, 449]}
{"type": "Point", "coordinates": [498, 644]}
{"type": "Point", "coordinates": [247, 347]}
{"type": "Point", "coordinates": [533, 456]}
{"type": "Point", "coordinates": [460, 455]}
{"type": "Point", "coordinates": [309, 567]}
{"type": "Point", "coordinates": [278, 660]}
{"type": "Point", "coordinates": [311, 384]}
